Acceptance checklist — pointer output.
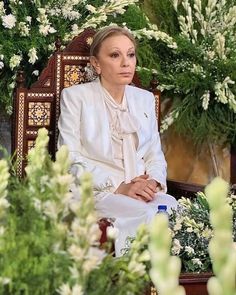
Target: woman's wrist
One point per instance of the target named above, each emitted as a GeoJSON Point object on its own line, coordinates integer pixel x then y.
{"type": "Point", "coordinates": [156, 183]}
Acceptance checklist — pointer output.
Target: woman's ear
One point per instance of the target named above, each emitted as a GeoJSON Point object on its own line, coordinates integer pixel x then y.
{"type": "Point", "coordinates": [94, 62]}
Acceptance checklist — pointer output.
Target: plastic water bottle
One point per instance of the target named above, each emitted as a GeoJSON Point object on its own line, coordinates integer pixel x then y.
{"type": "Point", "coordinates": [162, 209]}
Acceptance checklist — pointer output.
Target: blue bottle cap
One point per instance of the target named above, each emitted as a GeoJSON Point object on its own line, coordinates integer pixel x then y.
{"type": "Point", "coordinates": [162, 207]}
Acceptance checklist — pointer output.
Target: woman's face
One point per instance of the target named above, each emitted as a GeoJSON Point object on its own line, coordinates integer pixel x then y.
{"type": "Point", "coordinates": [116, 61]}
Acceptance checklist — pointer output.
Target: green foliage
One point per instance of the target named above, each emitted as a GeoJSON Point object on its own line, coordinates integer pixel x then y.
{"type": "Point", "coordinates": [162, 13]}
{"type": "Point", "coordinates": [134, 18]}
{"type": "Point", "coordinates": [199, 73]}
{"type": "Point", "coordinates": [49, 242]}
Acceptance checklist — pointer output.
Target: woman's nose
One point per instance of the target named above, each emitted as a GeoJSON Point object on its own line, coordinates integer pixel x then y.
{"type": "Point", "coordinates": [124, 61]}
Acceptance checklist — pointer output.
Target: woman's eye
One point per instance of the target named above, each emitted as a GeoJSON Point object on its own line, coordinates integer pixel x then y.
{"type": "Point", "coordinates": [114, 55]}
{"type": "Point", "coordinates": [131, 54]}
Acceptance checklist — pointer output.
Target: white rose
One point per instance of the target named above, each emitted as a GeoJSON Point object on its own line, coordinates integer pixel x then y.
{"type": "Point", "coordinates": [9, 21]}
{"type": "Point", "coordinates": [1, 65]}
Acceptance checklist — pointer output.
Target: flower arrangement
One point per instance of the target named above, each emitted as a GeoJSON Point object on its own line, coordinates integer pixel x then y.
{"type": "Point", "coordinates": [29, 30]}
{"type": "Point", "coordinates": [199, 73]}
{"type": "Point", "coordinates": [49, 241]}
{"type": "Point", "coordinates": [165, 269]}
{"type": "Point", "coordinates": [192, 230]}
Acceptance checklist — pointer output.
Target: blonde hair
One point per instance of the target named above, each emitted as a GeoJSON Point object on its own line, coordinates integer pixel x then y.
{"type": "Point", "coordinates": [106, 32]}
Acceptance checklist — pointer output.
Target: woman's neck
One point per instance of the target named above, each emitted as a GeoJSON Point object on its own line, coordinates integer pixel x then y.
{"type": "Point", "coordinates": [116, 91]}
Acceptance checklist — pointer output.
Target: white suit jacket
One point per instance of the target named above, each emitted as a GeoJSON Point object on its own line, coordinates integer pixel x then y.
{"type": "Point", "coordinates": [84, 128]}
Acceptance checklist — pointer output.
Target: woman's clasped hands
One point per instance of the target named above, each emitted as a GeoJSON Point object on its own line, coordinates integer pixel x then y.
{"type": "Point", "coordinates": [141, 188]}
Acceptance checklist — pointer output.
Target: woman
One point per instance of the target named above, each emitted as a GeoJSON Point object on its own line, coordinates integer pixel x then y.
{"type": "Point", "coordinates": [111, 131]}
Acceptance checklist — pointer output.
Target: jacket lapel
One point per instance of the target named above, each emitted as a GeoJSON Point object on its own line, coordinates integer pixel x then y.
{"type": "Point", "coordinates": [103, 128]}
{"type": "Point", "coordinates": [133, 108]}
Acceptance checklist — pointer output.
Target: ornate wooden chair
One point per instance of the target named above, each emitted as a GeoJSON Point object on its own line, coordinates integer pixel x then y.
{"type": "Point", "coordinates": [39, 106]}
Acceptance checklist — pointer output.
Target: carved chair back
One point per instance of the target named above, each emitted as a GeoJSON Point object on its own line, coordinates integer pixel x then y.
{"type": "Point", "coordinates": [39, 106]}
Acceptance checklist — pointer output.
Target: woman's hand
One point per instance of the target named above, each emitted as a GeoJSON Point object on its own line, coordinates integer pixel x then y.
{"type": "Point", "coordinates": [140, 188]}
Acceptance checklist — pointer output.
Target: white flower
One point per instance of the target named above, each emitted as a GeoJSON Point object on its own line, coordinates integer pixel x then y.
{"type": "Point", "coordinates": [2, 10]}
{"type": "Point", "coordinates": [76, 252]}
{"type": "Point", "coordinates": [32, 55]}
{"type": "Point", "coordinates": [29, 19]}
{"type": "Point", "coordinates": [52, 30]}
{"type": "Point", "coordinates": [4, 203]}
{"type": "Point", "coordinates": [145, 256]}
{"type": "Point", "coordinates": [24, 29]}
{"type": "Point", "coordinates": [12, 85]}
{"type": "Point", "coordinates": [219, 45]}
{"type": "Point", "coordinates": [205, 99]}
{"type": "Point", "coordinates": [96, 254]}
{"type": "Point", "coordinates": [207, 233]}
{"type": "Point", "coordinates": [74, 272]}
{"type": "Point", "coordinates": [136, 267]}
{"type": "Point", "coordinates": [94, 233]}
{"type": "Point", "coordinates": [37, 204]}
{"type": "Point", "coordinates": [197, 261]}
{"type": "Point", "coordinates": [35, 72]}
{"type": "Point", "coordinates": [64, 290]}
{"type": "Point", "coordinates": [52, 47]}
{"type": "Point", "coordinates": [9, 21]}
{"type": "Point", "coordinates": [50, 209]}
{"type": "Point", "coordinates": [91, 8]}
{"type": "Point", "coordinates": [93, 259]}
{"type": "Point", "coordinates": [176, 247]}
{"type": "Point", "coordinates": [189, 250]}
{"type": "Point", "coordinates": [44, 29]}
{"type": "Point", "coordinates": [71, 14]}
{"type": "Point", "coordinates": [112, 232]}
{"type": "Point", "coordinates": [77, 290]}
{"type": "Point", "coordinates": [1, 65]}
{"type": "Point", "coordinates": [15, 61]}
{"type": "Point", "coordinates": [2, 231]}
{"type": "Point", "coordinates": [4, 280]}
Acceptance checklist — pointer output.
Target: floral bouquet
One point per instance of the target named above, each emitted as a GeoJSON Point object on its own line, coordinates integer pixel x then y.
{"type": "Point", "coordinates": [191, 232]}
{"type": "Point", "coordinates": [29, 30]}
{"type": "Point", "coordinates": [198, 75]}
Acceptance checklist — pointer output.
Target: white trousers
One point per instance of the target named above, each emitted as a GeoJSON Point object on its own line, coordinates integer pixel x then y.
{"type": "Point", "coordinates": [129, 213]}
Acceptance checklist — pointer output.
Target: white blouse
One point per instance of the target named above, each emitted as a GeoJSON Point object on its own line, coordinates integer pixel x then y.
{"type": "Point", "coordinates": [123, 127]}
